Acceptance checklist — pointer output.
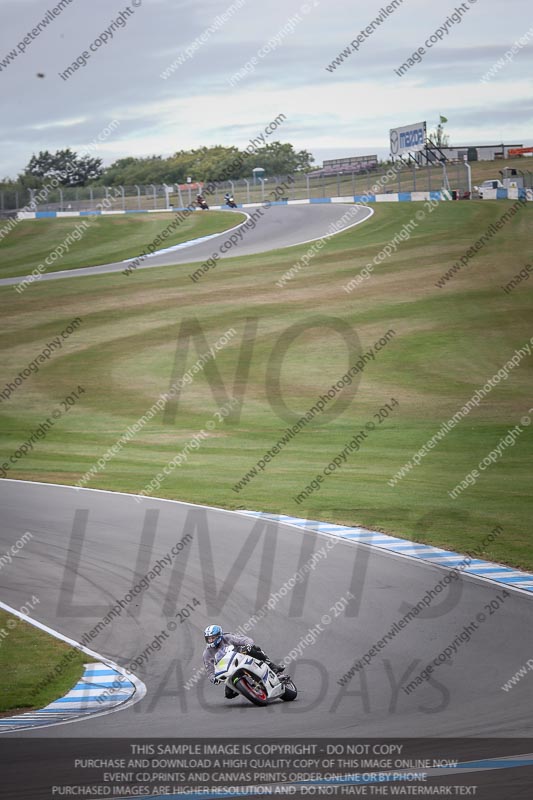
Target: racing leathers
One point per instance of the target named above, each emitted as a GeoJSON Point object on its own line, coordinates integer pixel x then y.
{"type": "Point", "coordinates": [242, 643]}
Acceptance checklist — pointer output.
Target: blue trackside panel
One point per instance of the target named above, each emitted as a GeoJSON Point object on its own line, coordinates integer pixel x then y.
{"type": "Point", "coordinates": [42, 214]}
{"type": "Point", "coordinates": [404, 197]}
{"type": "Point", "coordinates": [320, 199]}
{"type": "Point", "coordinates": [435, 196]}
{"type": "Point", "coordinates": [364, 198]}
{"type": "Point", "coordinates": [89, 213]}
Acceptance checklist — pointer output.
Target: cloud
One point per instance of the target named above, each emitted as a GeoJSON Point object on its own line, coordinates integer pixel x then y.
{"type": "Point", "coordinates": [351, 108]}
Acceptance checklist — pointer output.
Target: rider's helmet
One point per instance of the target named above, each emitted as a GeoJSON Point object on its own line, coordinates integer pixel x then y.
{"type": "Point", "coordinates": [213, 635]}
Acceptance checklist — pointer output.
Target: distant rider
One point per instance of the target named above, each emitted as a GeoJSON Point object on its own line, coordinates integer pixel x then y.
{"type": "Point", "coordinates": [216, 640]}
{"type": "Point", "coordinates": [201, 201]}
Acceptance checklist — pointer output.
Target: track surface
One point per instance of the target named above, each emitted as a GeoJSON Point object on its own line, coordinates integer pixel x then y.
{"type": "Point", "coordinates": [245, 569]}
{"type": "Point", "coordinates": [278, 227]}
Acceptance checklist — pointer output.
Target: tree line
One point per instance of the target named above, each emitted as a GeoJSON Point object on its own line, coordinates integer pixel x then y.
{"type": "Point", "coordinates": [202, 164]}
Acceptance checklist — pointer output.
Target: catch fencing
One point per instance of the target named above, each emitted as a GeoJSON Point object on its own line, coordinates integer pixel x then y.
{"type": "Point", "coordinates": [149, 197]}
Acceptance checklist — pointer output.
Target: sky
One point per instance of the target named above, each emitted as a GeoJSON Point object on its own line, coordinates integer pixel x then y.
{"type": "Point", "coordinates": [124, 101]}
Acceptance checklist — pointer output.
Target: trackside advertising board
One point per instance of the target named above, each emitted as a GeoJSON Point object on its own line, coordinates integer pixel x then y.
{"type": "Point", "coordinates": [407, 138]}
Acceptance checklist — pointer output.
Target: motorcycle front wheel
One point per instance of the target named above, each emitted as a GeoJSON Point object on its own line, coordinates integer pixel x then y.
{"type": "Point", "coordinates": [290, 692]}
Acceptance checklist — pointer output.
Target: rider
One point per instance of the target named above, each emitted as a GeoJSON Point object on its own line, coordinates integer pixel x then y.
{"type": "Point", "coordinates": [229, 199]}
{"type": "Point", "coordinates": [201, 202]}
{"type": "Point", "coordinates": [216, 640]}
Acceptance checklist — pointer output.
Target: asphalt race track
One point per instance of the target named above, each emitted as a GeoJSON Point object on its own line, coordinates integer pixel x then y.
{"type": "Point", "coordinates": [278, 227]}
{"type": "Point", "coordinates": [233, 565]}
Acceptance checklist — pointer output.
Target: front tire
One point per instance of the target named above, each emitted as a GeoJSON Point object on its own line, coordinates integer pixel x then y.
{"type": "Point", "coordinates": [252, 690]}
{"type": "Point", "coordinates": [290, 692]}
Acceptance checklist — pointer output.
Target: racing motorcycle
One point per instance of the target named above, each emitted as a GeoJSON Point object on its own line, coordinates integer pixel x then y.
{"type": "Point", "coordinates": [252, 678]}
{"type": "Point", "coordinates": [231, 202]}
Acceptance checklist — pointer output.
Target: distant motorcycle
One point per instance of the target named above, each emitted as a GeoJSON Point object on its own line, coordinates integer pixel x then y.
{"type": "Point", "coordinates": [200, 201]}
{"type": "Point", "coordinates": [231, 202]}
{"type": "Point", "coordinates": [252, 678]}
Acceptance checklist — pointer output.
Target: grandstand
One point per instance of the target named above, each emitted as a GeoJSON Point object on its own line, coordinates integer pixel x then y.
{"type": "Point", "coordinates": [355, 164]}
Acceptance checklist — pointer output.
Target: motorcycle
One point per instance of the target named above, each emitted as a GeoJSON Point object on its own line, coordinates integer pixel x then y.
{"type": "Point", "coordinates": [201, 203]}
{"type": "Point", "coordinates": [231, 202]}
{"type": "Point", "coordinates": [252, 678]}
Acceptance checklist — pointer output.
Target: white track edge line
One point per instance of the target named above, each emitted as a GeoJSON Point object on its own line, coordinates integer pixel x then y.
{"type": "Point", "coordinates": [140, 687]}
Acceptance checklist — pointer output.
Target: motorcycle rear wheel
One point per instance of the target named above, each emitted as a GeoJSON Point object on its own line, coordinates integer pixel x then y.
{"type": "Point", "coordinates": [250, 689]}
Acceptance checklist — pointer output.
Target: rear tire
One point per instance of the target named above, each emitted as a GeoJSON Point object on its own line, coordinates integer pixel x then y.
{"type": "Point", "coordinates": [247, 687]}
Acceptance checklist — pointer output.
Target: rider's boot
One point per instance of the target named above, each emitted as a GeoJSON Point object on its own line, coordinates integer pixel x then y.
{"type": "Point", "coordinates": [277, 668]}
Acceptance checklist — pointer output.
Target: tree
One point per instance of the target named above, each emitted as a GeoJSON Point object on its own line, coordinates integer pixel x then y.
{"type": "Point", "coordinates": [215, 163]}
{"type": "Point", "coordinates": [279, 159]}
{"type": "Point", "coordinates": [65, 165]}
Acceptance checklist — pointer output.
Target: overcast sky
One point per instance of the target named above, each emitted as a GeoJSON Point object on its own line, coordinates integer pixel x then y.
{"type": "Point", "coordinates": [344, 112]}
